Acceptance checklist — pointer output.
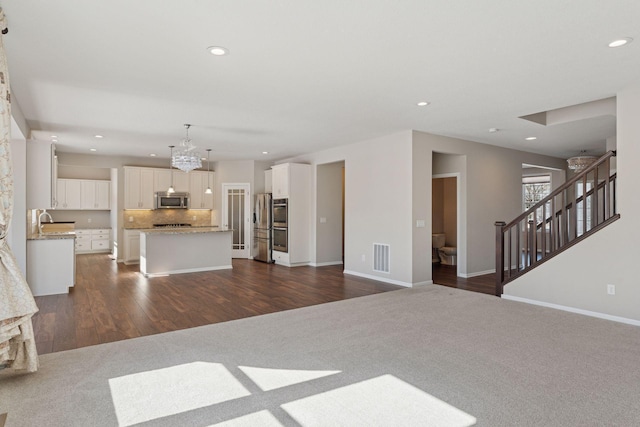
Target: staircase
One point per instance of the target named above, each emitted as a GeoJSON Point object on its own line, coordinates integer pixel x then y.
{"type": "Point", "coordinates": [582, 206]}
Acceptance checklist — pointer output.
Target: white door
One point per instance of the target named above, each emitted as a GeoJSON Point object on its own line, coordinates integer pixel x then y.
{"type": "Point", "coordinates": [236, 215]}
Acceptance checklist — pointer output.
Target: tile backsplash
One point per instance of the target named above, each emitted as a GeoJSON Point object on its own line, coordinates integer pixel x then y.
{"type": "Point", "coordinates": [146, 218]}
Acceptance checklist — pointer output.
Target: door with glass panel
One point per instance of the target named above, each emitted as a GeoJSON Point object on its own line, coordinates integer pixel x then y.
{"type": "Point", "coordinates": [236, 216]}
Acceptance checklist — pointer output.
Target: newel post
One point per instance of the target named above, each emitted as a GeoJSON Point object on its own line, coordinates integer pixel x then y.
{"type": "Point", "coordinates": [499, 257]}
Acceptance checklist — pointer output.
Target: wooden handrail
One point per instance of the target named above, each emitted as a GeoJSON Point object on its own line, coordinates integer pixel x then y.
{"type": "Point", "coordinates": [565, 186]}
{"type": "Point", "coordinates": [540, 237]}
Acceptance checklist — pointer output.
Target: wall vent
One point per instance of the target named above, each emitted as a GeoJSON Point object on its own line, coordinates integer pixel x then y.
{"type": "Point", "coordinates": [381, 257]}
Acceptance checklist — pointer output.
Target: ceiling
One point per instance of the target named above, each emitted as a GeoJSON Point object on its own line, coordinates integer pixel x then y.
{"type": "Point", "coordinates": [305, 75]}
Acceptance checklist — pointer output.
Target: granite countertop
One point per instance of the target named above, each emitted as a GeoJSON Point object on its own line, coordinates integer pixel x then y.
{"type": "Point", "coordinates": [185, 230]}
{"type": "Point", "coordinates": [53, 235]}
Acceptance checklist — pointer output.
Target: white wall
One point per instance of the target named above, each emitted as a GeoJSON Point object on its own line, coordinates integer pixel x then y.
{"type": "Point", "coordinates": [578, 277]}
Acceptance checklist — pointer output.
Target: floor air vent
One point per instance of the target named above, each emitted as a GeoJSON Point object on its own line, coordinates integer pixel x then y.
{"type": "Point", "coordinates": [381, 258]}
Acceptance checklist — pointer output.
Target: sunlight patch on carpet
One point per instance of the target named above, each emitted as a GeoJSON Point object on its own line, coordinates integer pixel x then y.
{"type": "Point", "coordinates": [159, 393]}
{"type": "Point", "coordinates": [261, 418]}
{"type": "Point", "coordinates": [381, 401]}
{"type": "Point", "coordinates": [271, 379]}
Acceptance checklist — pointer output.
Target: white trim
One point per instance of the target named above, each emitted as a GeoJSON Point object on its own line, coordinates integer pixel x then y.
{"type": "Point", "coordinates": [478, 273]}
{"type": "Point", "coordinates": [322, 264]}
{"type": "Point", "coordinates": [190, 270]}
{"type": "Point", "coordinates": [378, 278]}
{"type": "Point", "coordinates": [633, 322]}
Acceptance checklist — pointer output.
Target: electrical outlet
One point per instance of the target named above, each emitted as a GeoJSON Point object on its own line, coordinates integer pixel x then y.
{"type": "Point", "coordinates": [611, 289]}
{"type": "Point", "coordinates": [130, 219]}
{"type": "Point", "coordinates": [89, 220]}
{"type": "Point", "coordinates": [364, 258]}
{"type": "Point", "coordinates": [193, 217]}
{"type": "Point", "coordinates": [323, 220]}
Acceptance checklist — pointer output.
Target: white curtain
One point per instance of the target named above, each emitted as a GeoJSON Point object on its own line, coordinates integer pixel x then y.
{"type": "Point", "coordinates": [17, 344]}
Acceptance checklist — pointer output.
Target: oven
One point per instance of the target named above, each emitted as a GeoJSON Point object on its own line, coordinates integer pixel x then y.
{"type": "Point", "coordinates": [280, 239]}
{"type": "Point", "coordinates": [280, 212]}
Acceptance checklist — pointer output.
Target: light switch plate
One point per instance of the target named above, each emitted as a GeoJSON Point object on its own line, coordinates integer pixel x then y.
{"type": "Point", "coordinates": [420, 223]}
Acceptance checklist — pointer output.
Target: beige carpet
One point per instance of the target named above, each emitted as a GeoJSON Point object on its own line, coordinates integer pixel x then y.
{"type": "Point", "coordinates": [431, 356]}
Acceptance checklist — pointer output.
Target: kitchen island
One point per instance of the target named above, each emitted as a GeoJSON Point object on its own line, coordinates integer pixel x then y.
{"type": "Point", "coordinates": [51, 262]}
{"type": "Point", "coordinates": [184, 250]}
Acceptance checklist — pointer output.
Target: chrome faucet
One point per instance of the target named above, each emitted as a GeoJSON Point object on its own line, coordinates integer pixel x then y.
{"type": "Point", "coordinates": [44, 213]}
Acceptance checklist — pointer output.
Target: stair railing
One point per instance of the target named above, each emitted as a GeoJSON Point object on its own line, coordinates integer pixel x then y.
{"type": "Point", "coordinates": [580, 207]}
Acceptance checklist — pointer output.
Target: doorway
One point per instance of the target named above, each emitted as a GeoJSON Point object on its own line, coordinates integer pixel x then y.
{"type": "Point", "coordinates": [330, 185]}
{"type": "Point", "coordinates": [444, 225]}
{"type": "Point", "coordinates": [236, 215]}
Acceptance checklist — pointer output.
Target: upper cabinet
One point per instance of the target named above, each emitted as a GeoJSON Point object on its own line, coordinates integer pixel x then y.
{"type": "Point", "coordinates": [198, 184]}
{"type": "Point", "coordinates": [77, 194]}
{"type": "Point", "coordinates": [138, 185]}
{"type": "Point", "coordinates": [95, 194]}
{"type": "Point", "coordinates": [68, 193]}
{"type": "Point", "coordinates": [163, 178]}
{"type": "Point", "coordinates": [141, 183]}
{"type": "Point", "coordinates": [41, 182]}
{"type": "Point", "coordinates": [280, 180]}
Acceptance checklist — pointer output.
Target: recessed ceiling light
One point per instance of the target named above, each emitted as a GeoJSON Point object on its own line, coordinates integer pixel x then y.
{"type": "Point", "coordinates": [492, 130]}
{"type": "Point", "coordinates": [54, 136]}
{"type": "Point", "coordinates": [620, 42]}
{"type": "Point", "coordinates": [152, 155]}
{"type": "Point", "coordinates": [93, 149]}
{"type": "Point", "coordinates": [99, 136]}
{"type": "Point", "coordinates": [531, 138]}
{"type": "Point", "coordinates": [54, 140]}
{"type": "Point", "coordinates": [218, 50]}
{"type": "Point", "coordinates": [265, 152]}
{"type": "Point", "coordinates": [423, 104]}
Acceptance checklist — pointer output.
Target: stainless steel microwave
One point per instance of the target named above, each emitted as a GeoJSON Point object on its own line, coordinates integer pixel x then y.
{"type": "Point", "coordinates": [164, 200]}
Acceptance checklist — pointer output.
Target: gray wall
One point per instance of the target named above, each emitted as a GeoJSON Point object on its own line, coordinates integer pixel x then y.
{"type": "Point", "coordinates": [397, 170]}
{"type": "Point", "coordinates": [578, 277]}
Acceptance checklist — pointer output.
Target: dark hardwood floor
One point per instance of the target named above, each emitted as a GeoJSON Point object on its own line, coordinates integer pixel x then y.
{"type": "Point", "coordinates": [446, 275]}
{"type": "Point", "coordinates": [112, 301]}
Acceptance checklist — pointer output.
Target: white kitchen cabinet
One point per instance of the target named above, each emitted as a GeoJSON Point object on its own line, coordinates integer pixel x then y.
{"type": "Point", "coordinates": [50, 266]}
{"type": "Point", "coordinates": [198, 183]}
{"type": "Point", "coordinates": [93, 240]}
{"type": "Point", "coordinates": [138, 188]}
{"type": "Point", "coordinates": [162, 180]}
{"type": "Point", "coordinates": [280, 180]}
{"type": "Point", "coordinates": [68, 192]}
{"type": "Point", "coordinates": [131, 246]}
{"type": "Point", "coordinates": [95, 194]}
{"type": "Point", "coordinates": [41, 179]}
{"type": "Point", "coordinates": [293, 182]}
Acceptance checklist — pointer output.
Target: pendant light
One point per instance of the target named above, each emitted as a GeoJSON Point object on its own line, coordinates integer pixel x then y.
{"type": "Point", "coordinates": [186, 157]}
{"type": "Point", "coordinates": [208, 190]}
{"type": "Point", "coordinates": [171, 189]}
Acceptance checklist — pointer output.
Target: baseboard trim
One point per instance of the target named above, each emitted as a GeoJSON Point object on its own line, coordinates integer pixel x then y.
{"type": "Point", "coordinates": [378, 278]}
{"type": "Point", "coordinates": [323, 264]}
{"type": "Point", "coordinates": [574, 310]}
{"type": "Point", "coordinates": [189, 270]}
{"type": "Point", "coordinates": [479, 273]}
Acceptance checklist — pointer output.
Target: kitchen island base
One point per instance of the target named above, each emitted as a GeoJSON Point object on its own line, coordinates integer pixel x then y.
{"type": "Point", "coordinates": [164, 252]}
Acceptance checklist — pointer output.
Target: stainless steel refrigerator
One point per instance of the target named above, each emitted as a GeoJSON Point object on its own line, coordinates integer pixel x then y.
{"type": "Point", "coordinates": [262, 225]}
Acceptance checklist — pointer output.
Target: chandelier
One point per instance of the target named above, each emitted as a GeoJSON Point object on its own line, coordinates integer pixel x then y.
{"type": "Point", "coordinates": [186, 158]}
{"type": "Point", "coordinates": [580, 162]}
